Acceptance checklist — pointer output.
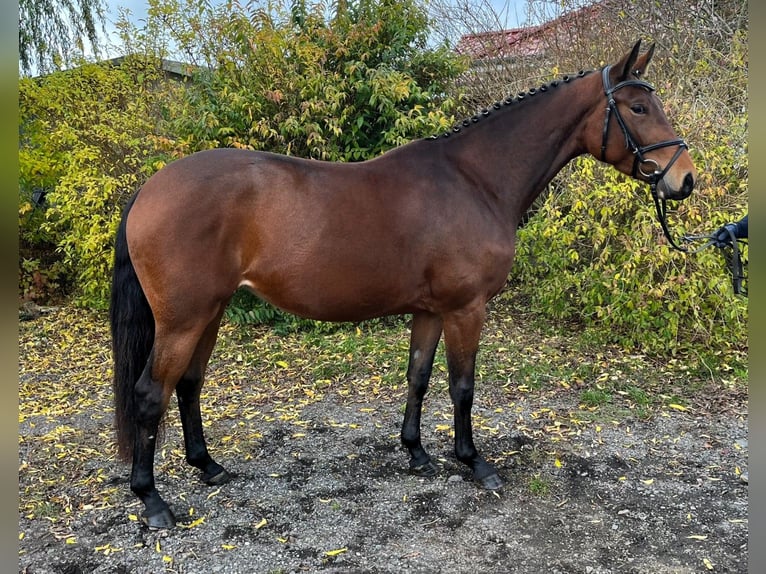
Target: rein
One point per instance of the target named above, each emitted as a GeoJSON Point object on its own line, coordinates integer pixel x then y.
{"type": "Point", "coordinates": [733, 259]}
{"type": "Point", "coordinates": [656, 174]}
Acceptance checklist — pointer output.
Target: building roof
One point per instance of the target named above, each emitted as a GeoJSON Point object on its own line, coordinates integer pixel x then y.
{"type": "Point", "coordinates": [521, 42]}
{"type": "Point", "coordinates": [171, 68]}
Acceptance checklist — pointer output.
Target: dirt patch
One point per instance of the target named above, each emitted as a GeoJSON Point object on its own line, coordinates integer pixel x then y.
{"type": "Point", "coordinates": [320, 483]}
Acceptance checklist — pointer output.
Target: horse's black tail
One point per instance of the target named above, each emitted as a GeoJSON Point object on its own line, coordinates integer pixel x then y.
{"type": "Point", "coordinates": [132, 325]}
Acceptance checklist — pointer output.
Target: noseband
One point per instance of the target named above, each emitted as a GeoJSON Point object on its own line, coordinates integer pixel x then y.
{"type": "Point", "coordinates": [654, 176]}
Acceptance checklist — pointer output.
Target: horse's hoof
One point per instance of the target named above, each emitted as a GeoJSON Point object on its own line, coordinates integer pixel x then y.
{"type": "Point", "coordinates": [492, 482]}
{"type": "Point", "coordinates": [161, 520]}
{"type": "Point", "coordinates": [426, 469]}
{"type": "Point", "coordinates": [221, 477]}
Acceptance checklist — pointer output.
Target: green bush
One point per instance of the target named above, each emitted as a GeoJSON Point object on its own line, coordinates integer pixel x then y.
{"type": "Point", "coordinates": [595, 253]}
{"type": "Point", "coordinates": [88, 137]}
{"type": "Point", "coordinates": [292, 80]}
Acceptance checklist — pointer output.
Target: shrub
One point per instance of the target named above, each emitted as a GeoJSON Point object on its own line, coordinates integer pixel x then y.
{"type": "Point", "coordinates": [88, 138]}
{"type": "Point", "coordinates": [595, 253]}
{"type": "Point", "coordinates": [293, 80]}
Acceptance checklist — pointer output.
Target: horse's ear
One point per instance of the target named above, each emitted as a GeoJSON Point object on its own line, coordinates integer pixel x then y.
{"type": "Point", "coordinates": [631, 66]}
{"type": "Point", "coordinates": [639, 68]}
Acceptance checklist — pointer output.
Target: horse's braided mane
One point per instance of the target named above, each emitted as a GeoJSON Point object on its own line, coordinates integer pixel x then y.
{"type": "Point", "coordinates": [508, 103]}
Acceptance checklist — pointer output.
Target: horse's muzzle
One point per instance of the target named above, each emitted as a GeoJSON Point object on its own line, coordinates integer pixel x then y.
{"type": "Point", "coordinates": [664, 191]}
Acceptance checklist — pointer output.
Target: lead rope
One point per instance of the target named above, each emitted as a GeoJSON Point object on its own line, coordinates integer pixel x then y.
{"type": "Point", "coordinates": [732, 258]}
{"type": "Point", "coordinates": [661, 206]}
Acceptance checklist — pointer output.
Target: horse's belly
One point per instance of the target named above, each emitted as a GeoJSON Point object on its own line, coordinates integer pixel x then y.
{"type": "Point", "coordinates": [328, 294]}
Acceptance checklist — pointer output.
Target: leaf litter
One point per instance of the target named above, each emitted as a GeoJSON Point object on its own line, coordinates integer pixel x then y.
{"type": "Point", "coordinates": [643, 461]}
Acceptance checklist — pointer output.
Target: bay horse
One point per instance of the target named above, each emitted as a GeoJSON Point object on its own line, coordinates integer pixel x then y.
{"type": "Point", "coordinates": [426, 229]}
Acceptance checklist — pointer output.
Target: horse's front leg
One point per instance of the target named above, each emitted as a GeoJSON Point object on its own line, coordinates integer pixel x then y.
{"type": "Point", "coordinates": [424, 337]}
{"type": "Point", "coordinates": [462, 330]}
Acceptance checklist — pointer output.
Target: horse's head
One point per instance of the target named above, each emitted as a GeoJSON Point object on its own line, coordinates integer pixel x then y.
{"type": "Point", "coordinates": [634, 134]}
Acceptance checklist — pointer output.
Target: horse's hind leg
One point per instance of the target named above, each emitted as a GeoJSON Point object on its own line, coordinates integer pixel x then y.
{"type": "Point", "coordinates": [169, 360]}
{"type": "Point", "coordinates": [188, 392]}
{"type": "Point", "coordinates": [426, 331]}
{"type": "Point", "coordinates": [151, 404]}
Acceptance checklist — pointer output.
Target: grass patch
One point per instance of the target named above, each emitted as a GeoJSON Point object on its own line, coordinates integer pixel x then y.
{"type": "Point", "coordinates": [595, 397]}
{"type": "Point", "coordinates": [539, 486]}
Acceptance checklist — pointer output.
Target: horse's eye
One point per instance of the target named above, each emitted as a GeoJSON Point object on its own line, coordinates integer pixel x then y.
{"type": "Point", "coordinates": [638, 109]}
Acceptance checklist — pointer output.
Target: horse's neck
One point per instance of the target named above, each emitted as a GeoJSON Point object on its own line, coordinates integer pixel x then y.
{"type": "Point", "coordinates": [515, 151]}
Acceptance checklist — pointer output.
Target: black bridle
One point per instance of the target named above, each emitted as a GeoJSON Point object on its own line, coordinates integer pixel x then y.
{"type": "Point", "coordinates": [656, 174]}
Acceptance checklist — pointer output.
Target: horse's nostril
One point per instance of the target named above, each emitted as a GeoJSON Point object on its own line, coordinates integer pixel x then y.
{"type": "Point", "coordinates": [689, 183]}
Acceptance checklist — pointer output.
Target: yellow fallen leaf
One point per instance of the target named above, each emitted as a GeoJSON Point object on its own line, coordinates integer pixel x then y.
{"type": "Point", "coordinates": [443, 427]}
{"type": "Point", "coordinates": [698, 536]}
{"type": "Point", "coordinates": [132, 517]}
{"type": "Point", "coordinates": [214, 493]}
{"type": "Point", "coordinates": [648, 481]}
{"type": "Point", "coordinates": [708, 564]}
{"type": "Point", "coordinates": [228, 546]}
{"type": "Point", "coordinates": [193, 523]}
{"type": "Point", "coordinates": [557, 463]}
{"type": "Point", "coordinates": [676, 407]}
{"type": "Point", "coordinates": [261, 524]}
{"type": "Point", "coordinates": [336, 552]}
{"type": "Point", "coordinates": [167, 558]}
{"type": "Point", "coordinates": [157, 547]}
{"type": "Point", "coordinates": [71, 540]}
{"type": "Point", "coordinates": [282, 364]}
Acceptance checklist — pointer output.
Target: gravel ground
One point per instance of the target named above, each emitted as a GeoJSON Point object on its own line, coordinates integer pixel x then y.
{"type": "Point", "coordinates": [324, 488]}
